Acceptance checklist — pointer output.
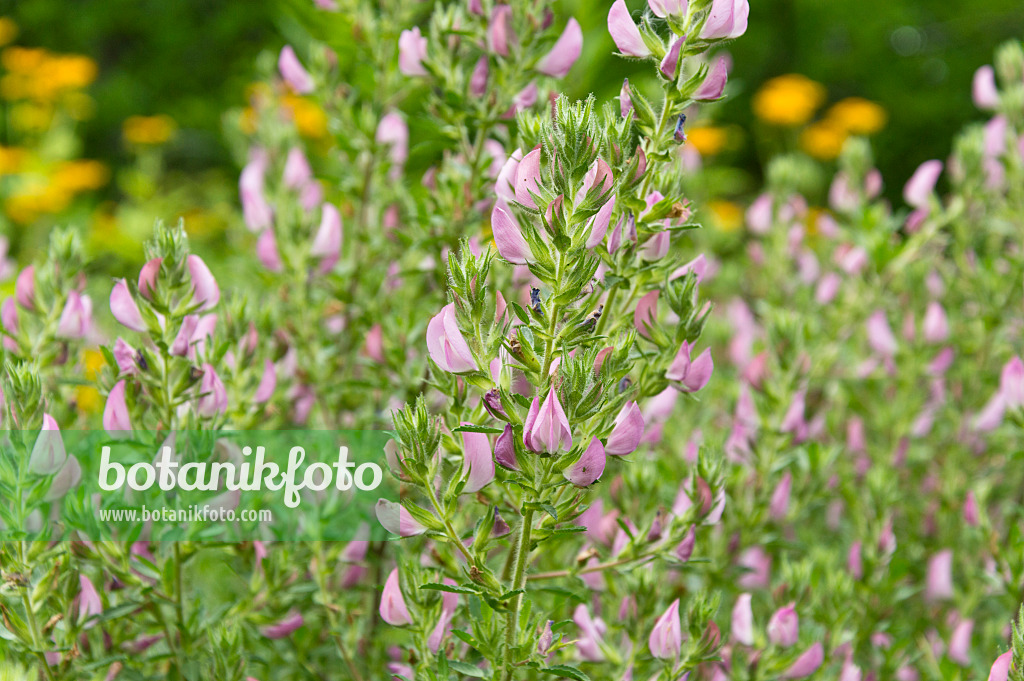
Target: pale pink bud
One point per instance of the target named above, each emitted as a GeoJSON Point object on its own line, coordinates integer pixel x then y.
{"type": "Point", "coordinates": [656, 247]}
{"type": "Point", "coordinates": [412, 50]}
{"type": "Point", "coordinates": [935, 327]}
{"type": "Point", "coordinates": [266, 251]}
{"type": "Point", "coordinates": [25, 288]}
{"type": "Point", "coordinates": [327, 242]}
{"type": "Point", "coordinates": [646, 314]}
{"type": "Point", "coordinates": [256, 210]}
{"type": "Point", "coordinates": [284, 627]}
{"type": "Point", "coordinates": [214, 397]}
{"type": "Point", "coordinates": [449, 602]}
{"type": "Point", "coordinates": [599, 224]}
{"type": "Point", "coordinates": [726, 19]}
{"type": "Point", "coordinates": [995, 144]}
{"type": "Point", "coordinates": [627, 432]}
{"type": "Point", "coordinates": [446, 345]}
{"type": "Point", "coordinates": [293, 73]}
{"type": "Point", "coordinates": [296, 170]}
{"type": "Point", "coordinates": [396, 520]}
{"type": "Point", "coordinates": [589, 467]}
{"type": "Point", "coordinates": [625, 101]}
{"type": "Point", "coordinates": [123, 307]}
{"type": "Point", "coordinates": [374, 344]}
{"type": "Point", "coordinates": [758, 565]}
{"type": "Point", "coordinates": [779, 506]}
{"type": "Point", "coordinates": [69, 475]}
{"type": "Point", "coordinates": [205, 291]}
{"type": "Point", "coordinates": [546, 638]}
{"type": "Point", "coordinates": [393, 609]}
{"type": "Point", "coordinates": [508, 237]}
{"type": "Point", "coordinates": [477, 462]}
{"type": "Point", "coordinates": [921, 184]}
{"type": "Point", "coordinates": [565, 52]}
{"type": "Point", "coordinates": [393, 132]}
{"type": "Point", "coordinates": [546, 428]}
{"type": "Point", "coordinates": [125, 355]}
{"type": "Point", "coordinates": [115, 413]}
{"type": "Point", "coordinates": [880, 336]}
{"type": "Point", "coordinates": [478, 79]}
{"type": "Point", "coordinates": [147, 277]}
{"type": "Point", "coordinates": [9, 319]}
{"type": "Point", "coordinates": [499, 31]}
{"type": "Point", "coordinates": [983, 88]}
{"type": "Point", "coordinates": [268, 382]}
{"type": "Point", "coordinates": [666, 638]}
{"type": "Point", "coordinates": [828, 288]}
{"type": "Point", "coordinates": [527, 174]}
{"type": "Point", "coordinates": [624, 32]}
{"type": "Point", "coordinates": [504, 184]}
{"type": "Point", "coordinates": [784, 627]}
{"type": "Point", "coordinates": [939, 585]}
{"type": "Point", "coordinates": [525, 98]}
{"type": "Point", "coordinates": [960, 643]}
{"type": "Point", "coordinates": [693, 375]}
{"type": "Point", "coordinates": [699, 266]}
{"type": "Point", "coordinates": [592, 630]}
{"type": "Point", "coordinates": [853, 560]}
{"type": "Point", "coordinates": [76, 317]}
{"type": "Point", "coordinates": [759, 214]}
{"type": "Point", "coordinates": [743, 621]}
{"type": "Point", "coordinates": [670, 62]}
{"type": "Point", "coordinates": [48, 453]}
{"type": "Point", "coordinates": [807, 663]}
{"type": "Point", "coordinates": [505, 449]}
{"type": "Point", "coordinates": [714, 83]}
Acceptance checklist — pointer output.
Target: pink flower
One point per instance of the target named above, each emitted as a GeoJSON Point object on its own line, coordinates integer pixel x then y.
{"type": "Point", "coordinates": [983, 88]}
{"type": "Point", "coordinates": [327, 242]}
{"type": "Point", "coordinates": [666, 638]}
{"type": "Point", "coordinates": [449, 602]}
{"type": "Point", "coordinates": [256, 210]}
{"type": "Point", "coordinates": [807, 663]}
{"type": "Point", "coordinates": [758, 565]}
{"type": "Point", "coordinates": [396, 519]}
{"type": "Point", "coordinates": [625, 101]}
{"type": "Point", "coordinates": [89, 602]}
{"type": "Point", "coordinates": [499, 31]}
{"type": "Point", "coordinates": [880, 336]}
{"type": "Point", "coordinates": [546, 428]}
{"type": "Point", "coordinates": [693, 375]}
{"type": "Point", "coordinates": [828, 288]}
{"type": "Point", "coordinates": [624, 32]}
{"type": "Point", "coordinates": [268, 382]}
{"type": "Point", "coordinates": [759, 214]}
{"type": "Point", "coordinates": [293, 72]}
{"type": "Point", "coordinates": [504, 184]}
{"type": "Point", "coordinates": [477, 462]}
{"type": "Point", "coordinates": [266, 251]}
{"type": "Point", "coordinates": [668, 8]}
{"type": "Point", "coordinates": [76, 317]}
{"type": "Point", "coordinates": [591, 638]}
{"type": "Point", "coordinates": [527, 174]}
{"type": "Point", "coordinates": [478, 79]}
{"type": "Point", "coordinates": [779, 506]}
{"type": "Point", "coordinates": [919, 187]}
{"type": "Point", "coordinates": [296, 169]}
{"type": "Point", "coordinates": [1011, 383]}
{"type": "Point", "coordinates": [589, 467]}
{"type": "Point", "coordinates": [599, 224]}
{"type": "Point", "coordinates": [123, 307]}
{"type": "Point", "coordinates": [393, 609]}
{"type": "Point", "coordinates": [960, 643]}
{"type": "Point", "coordinates": [743, 621]}
{"type": "Point", "coordinates": [213, 398]}
{"type": "Point", "coordinates": [726, 19]}
{"type": "Point", "coordinates": [204, 286]}
{"type": "Point", "coordinates": [565, 52]}
{"type": "Point", "coordinates": [25, 288]}
{"type": "Point", "coordinates": [508, 237]}
{"type": "Point", "coordinates": [505, 449]}
{"type": "Point", "coordinates": [115, 413]}
{"type": "Point", "coordinates": [935, 326]}
{"type": "Point", "coordinates": [939, 585]}
{"type": "Point", "coordinates": [670, 62]}
{"type": "Point", "coordinates": [125, 355]}
{"type": "Point", "coordinates": [627, 432]}
{"type": "Point", "coordinates": [148, 276]}
{"type": "Point", "coordinates": [784, 627]}
{"type": "Point", "coordinates": [412, 50]}
{"type": "Point", "coordinates": [714, 82]}
{"type": "Point", "coordinates": [446, 345]}
{"type": "Point", "coordinates": [646, 313]}
{"type": "Point", "coordinates": [284, 627]}
{"type": "Point", "coordinates": [393, 131]}
{"type": "Point", "coordinates": [1001, 667]}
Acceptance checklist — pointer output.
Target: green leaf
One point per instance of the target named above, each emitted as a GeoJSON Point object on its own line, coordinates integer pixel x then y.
{"type": "Point", "coordinates": [450, 588]}
{"type": "Point", "coordinates": [477, 429]}
{"type": "Point", "coordinates": [467, 669]}
{"type": "Point", "coordinates": [565, 671]}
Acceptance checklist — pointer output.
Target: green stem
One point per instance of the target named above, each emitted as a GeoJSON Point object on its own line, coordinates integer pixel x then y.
{"type": "Point", "coordinates": [30, 615]}
{"type": "Point", "coordinates": [332, 616]}
{"type": "Point", "coordinates": [518, 581]}
{"type": "Point", "coordinates": [609, 305]}
{"type": "Point", "coordinates": [555, 312]}
{"type": "Point", "coordinates": [449, 530]}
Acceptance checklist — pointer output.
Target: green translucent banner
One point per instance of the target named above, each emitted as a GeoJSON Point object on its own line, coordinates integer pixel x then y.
{"type": "Point", "coordinates": [193, 485]}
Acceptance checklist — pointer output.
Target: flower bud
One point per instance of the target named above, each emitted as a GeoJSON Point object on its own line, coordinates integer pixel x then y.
{"type": "Point", "coordinates": [293, 73]}
{"type": "Point", "coordinates": [983, 88]}
{"type": "Point", "coordinates": [268, 382]}
{"type": "Point", "coordinates": [779, 506]}
{"type": "Point", "coordinates": [565, 52]}
{"type": "Point", "coordinates": [921, 184]}
{"type": "Point", "coordinates": [214, 397]}
{"type": "Point", "coordinates": [477, 461]}
{"type": "Point", "coordinates": [807, 663]}
{"type": "Point", "coordinates": [125, 355]}
{"type": "Point", "coordinates": [89, 602]}
{"type": "Point", "coordinates": [25, 288]}
{"type": "Point", "coordinates": [588, 469]}
{"type": "Point", "coordinates": [205, 291]}
{"type": "Point", "coordinates": [446, 345]}
{"type": "Point", "coordinates": [714, 82]}
{"type": "Point", "coordinates": [960, 643]}
{"type": "Point", "coordinates": [939, 585]}
{"type": "Point", "coordinates": [527, 175]}
{"type": "Point", "coordinates": [742, 628]}
{"type": "Point", "coordinates": [327, 242]}
{"type": "Point", "coordinates": [76, 317]}
{"type": "Point", "coordinates": [147, 277]}
{"type": "Point", "coordinates": [726, 19]}
{"type": "Point", "coordinates": [397, 520]}
{"type": "Point", "coordinates": [1001, 667]}
{"type": "Point", "coordinates": [48, 453]}
{"type": "Point", "coordinates": [693, 375]}
{"type": "Point", "coordinates": [546, 428]}
{"type": "Point", "coordinates": [627, 432]}
{"type": "Point", "coordinates": [508, 237]}
{"type": "Point", "coordinates": [478, 79]}
{"type": "Point", "coordinates": [123, 307]}
{"type": "Point", "coordinates": [412, 50]}
{"type": "Point", "coordinates": [284, 627]}
{"type": "Point", "coordinates": [666, 638]}
{"type": "Point", "coordinates": [880, 336]}
{"type": "Point", "coordinates": [499, 31]}
{"type": "Point", "coordinates": [115, 413]}
{"type": "Point", "coordinates": [784, 627]}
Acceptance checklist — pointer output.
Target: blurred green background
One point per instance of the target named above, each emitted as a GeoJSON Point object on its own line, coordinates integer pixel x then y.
{"type": "Point", "coordinates": [193, 59]}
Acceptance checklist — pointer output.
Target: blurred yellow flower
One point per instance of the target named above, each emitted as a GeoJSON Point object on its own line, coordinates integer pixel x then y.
{"type": "Point", "coordinates": [708, 140]}
{"type": "Point", "coordinates": [80, 175]}
{"type": "Point", "coordinates": [823, 140]}
{"type": "Point", "coordinates": [8, 30]}
{"type": "Point", "coordinates": [727, 215]}
{"type": "Point", "coordinates": [814, 213]}
{"type": "Point", "coordinates": [788, 100]}
{"type": "Point", "coordinates": [22, 60]}
{"type": "Point", "coordinates": [31, 116]}
{"type": "Point", "coordinates": [86, 396]}
{"type": "Point", "coordinates": [858, 116]}
{"type": "Point", "coordinates": [34, 200]}
{"type": "Point", "coordinates": [37, 74]}
{"type": "Point", "coordinates": [11, 160]}
{"type": "Point", "coordinates": [148, 129]}
{"type": "Point", "coordinates": [248, 121]}
{"type": "Point", "coordinates": [310, 119]}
